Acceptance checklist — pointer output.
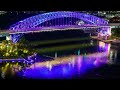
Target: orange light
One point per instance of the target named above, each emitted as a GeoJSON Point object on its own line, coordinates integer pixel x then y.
{"type": "Point", "coordinates": [101, 44]}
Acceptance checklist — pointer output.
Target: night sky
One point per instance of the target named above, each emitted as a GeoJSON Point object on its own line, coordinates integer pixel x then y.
{"type": "Point", "coordinates": [6, 20]}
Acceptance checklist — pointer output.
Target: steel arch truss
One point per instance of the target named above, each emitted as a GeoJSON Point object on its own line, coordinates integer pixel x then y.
{"type": "Point", "coordinates": [31, 22]}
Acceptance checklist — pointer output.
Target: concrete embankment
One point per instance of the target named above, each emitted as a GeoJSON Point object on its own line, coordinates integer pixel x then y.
{"type": "Point", "coordinates": [112, 41]}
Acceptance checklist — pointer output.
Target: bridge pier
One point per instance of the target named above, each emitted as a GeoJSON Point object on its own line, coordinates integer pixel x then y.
{"type": "Point", "coordinates": [104, 33]}
{"type": "Point", "coordinates": [15, 37]}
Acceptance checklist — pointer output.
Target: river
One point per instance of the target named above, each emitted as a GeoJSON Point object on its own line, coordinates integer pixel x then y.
{"type": "Point", "coordinates": [94, 60]}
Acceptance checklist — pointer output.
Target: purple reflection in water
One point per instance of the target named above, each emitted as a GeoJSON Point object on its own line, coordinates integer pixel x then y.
{"type": "Point", "coordinates": [68, 67]}
{"type": "Point", "coordinates": [64, 70]}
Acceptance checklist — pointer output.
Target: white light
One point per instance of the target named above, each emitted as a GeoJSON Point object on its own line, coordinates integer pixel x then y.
{"type": "Point", "coordinates": [104, 13]}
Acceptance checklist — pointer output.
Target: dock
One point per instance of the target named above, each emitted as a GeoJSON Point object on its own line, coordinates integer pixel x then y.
{"type": "Point", "coordinates": [13, 60]}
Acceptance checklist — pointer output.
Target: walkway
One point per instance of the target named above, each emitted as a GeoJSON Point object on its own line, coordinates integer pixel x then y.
{"type": "Point", "coordinates": [12, 60]}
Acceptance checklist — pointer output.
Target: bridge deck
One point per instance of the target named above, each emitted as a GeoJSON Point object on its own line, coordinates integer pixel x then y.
{"type": "Point", "coordinates": [52, 28]}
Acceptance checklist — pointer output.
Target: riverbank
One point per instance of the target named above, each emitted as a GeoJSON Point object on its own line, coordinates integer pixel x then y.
{"type": "Point", "coordinates": [112, 41]}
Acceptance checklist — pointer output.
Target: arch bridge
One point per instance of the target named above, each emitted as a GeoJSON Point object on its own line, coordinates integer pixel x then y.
{"type": "Point", "coordinates": [59, 20]}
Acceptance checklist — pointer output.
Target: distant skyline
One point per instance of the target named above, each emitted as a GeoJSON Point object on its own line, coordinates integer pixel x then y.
{"type": "Point", "coordinates": [37, 12]}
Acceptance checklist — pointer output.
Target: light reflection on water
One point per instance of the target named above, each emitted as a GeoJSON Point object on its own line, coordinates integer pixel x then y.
{"type": "Point", "coordinates": [69, 66]}
{"type": "Point", "coordinates": [63, 67]}
{"type": "Point", "coordinates": [10, 69]}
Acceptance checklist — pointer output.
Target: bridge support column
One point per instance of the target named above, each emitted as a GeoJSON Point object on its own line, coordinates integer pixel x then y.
{"type": "Point", "coordinates": [108, 34]}
{"type": "Point", "coordinates": [108, 31]}
{"type": "Point", "coordinates": [15, 37]}
{"type": "Point", "coordinates": [105, 33]}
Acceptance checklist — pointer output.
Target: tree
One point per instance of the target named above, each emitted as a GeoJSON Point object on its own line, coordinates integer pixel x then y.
{"type": "Point", "coordinates": [23, 41]}
{"type": "Point", "coordinates": [116, 32]}
{"type": "Point", "coordinates": [10, 50]}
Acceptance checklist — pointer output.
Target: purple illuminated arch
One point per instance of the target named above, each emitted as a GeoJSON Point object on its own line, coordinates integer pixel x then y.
{"type": "Point", "coordinates": [31, 22]}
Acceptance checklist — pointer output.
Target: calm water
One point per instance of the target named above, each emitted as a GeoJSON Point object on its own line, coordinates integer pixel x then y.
{"type": "Point", "coordinates": [90, 62]}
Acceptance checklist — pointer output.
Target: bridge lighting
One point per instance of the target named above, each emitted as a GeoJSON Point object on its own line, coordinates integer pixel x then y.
{"type": "Point", "coordinates": [41, 18]}
{"type": "Point", "coordinates": [80, 22]}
